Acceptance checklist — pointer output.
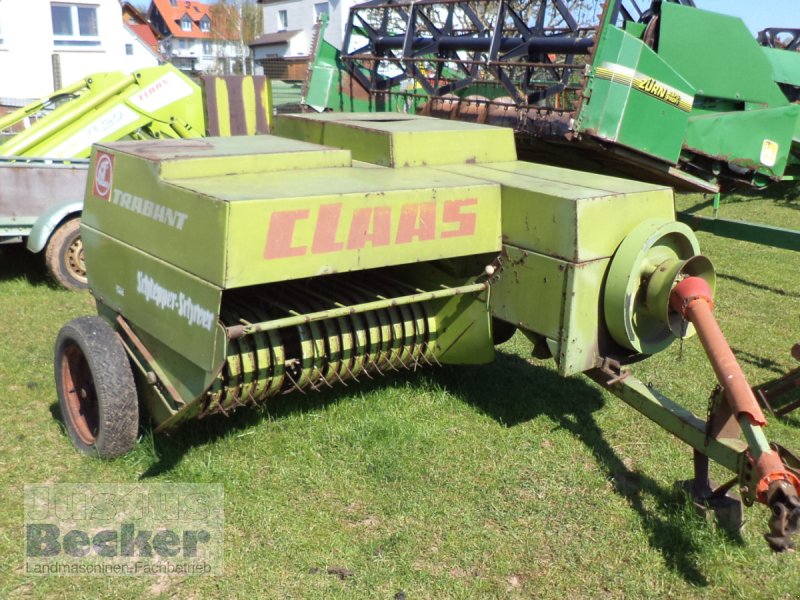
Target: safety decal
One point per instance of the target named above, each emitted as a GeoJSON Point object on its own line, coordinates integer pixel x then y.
{"type": "Point", "coordinates": [646, 84]}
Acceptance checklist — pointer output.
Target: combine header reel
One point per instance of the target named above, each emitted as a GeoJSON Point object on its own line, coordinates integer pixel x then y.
{"type": "Point", "coordinates": [228, 271]}
{"type": "Point", "coordinates": [661, 91]}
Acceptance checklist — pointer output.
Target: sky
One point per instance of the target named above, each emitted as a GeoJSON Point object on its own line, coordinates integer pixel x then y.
{"type": "Point", "coordinates": [757, 14]}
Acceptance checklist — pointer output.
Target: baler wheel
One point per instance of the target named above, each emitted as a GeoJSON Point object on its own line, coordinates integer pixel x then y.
{"type": "Point", "coordinates": [96, 390]}
{"type": "Point", "coordinates": [64, 256]}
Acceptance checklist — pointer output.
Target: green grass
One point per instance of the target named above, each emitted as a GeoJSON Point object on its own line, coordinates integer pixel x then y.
{"type": "Point", "coordinates": [493, 481]}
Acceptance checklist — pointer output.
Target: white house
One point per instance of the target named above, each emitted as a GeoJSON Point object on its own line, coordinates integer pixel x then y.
{"type": "Point", "coordinates": [289, 27]}
{"type": "Point", "coordinates": [45, 45]}
{"type": "Point", "coordinates": [192, 40]}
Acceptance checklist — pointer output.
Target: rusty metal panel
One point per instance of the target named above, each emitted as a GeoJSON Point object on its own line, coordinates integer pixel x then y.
{"type": "Point", "coordinates": [237, 104]}
{"type": "Point", "coordinates": [29, 189]}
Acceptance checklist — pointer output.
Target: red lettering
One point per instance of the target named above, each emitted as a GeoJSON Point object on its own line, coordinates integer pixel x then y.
{"type": "Point", "coordinates": [281, 232]}
{"type": "Point", "coordinates": [417, 221]}
{"type": "Point", "coordinates": [452, 214]}
{"type": "Point", "coordinates": [379, 219]}
{"type": "Point", "coordinates": [325, 231]}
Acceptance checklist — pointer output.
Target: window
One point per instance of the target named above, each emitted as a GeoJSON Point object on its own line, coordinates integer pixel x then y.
{"type": "Point", "coordinates": [184, 44]}
{"type": "Point", "coordinates": [173, 3]}
{"type": "Point", "coordinates": [129, 49]}
{"type": "Point", "coordinates": [320, 8]}
{"type": "Point", "coordinates": [283, 20]}
{"type": "Point", "coordinates": [207, 49]}
{"type": "Point", "coordinates": [205, 24]}
{"type": "Point", "coordinates": [74, 25]}
{"type": "Point", "coordinates": [186, 24]}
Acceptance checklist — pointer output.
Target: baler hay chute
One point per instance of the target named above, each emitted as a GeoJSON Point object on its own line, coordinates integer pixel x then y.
{"type": "Point", "coordinates": [227, 272]}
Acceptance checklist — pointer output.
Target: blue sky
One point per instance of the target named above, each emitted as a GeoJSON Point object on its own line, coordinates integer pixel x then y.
{"type": "Point", "coordinates": [757, 14]}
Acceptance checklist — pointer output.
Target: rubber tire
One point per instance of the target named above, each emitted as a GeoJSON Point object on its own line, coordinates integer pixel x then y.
{"type": "Point", "coordinates": [89, 353]}
{"type": "Point", "coordinates": [60, 256]}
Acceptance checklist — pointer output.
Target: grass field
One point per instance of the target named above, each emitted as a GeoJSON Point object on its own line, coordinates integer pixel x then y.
{"type": "Point", "coordinates": [475, 482]}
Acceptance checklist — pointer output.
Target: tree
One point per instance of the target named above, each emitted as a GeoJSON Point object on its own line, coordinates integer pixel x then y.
{"type": "Point", "coordinates": [237, 22]}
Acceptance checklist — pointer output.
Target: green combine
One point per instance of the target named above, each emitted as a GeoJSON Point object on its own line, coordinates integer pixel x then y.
{"type": "Point", "coordinates": [659, 91]}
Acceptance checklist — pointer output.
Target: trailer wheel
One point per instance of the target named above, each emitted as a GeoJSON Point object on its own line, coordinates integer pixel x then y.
{"type": "Point", "coordinates": [64, 256]}
{"type": "Point", "coordinates": [96, 390]}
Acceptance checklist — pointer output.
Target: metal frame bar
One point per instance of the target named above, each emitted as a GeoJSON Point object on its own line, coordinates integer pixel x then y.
{"type": "Point", "coordinates": [238, 331]}
{"type": "Point", "coordinates": [531, 63]}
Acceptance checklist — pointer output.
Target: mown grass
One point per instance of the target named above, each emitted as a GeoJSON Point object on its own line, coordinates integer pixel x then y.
{"type": "Point", "coordinates": [493, 481]}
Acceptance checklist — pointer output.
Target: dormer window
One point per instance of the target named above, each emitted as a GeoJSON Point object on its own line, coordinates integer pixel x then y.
{"type": "Point", "coordinates": [186, 24]}
{"type": "Point", "coordinates": [205, 24]}
{"type": "Point", "coordinates": [173, 3]}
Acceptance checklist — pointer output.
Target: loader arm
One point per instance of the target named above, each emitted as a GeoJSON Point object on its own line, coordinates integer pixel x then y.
{"type": "Point", "coordinates": [153, 103]}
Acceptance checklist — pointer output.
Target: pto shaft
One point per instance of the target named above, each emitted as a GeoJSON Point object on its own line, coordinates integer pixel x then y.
{"type": "Point", "coordinates": [776, 485]}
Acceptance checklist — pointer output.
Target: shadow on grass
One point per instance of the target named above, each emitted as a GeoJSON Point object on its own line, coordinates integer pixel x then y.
{"type": "Point", "coordinates": [786, 193]}
{"type": "Point", "coordinates": [511, 391]}
{"type": "Point", "coordinates": [758, 286]}
{"type": "Point", "coordinates": [16, 262]}
{"type": "Point", "coordinates": [170, 447]}
{"type": "Point", "coordinates": [529, 391]}
{"type": "Point", "coordinates": [759, 361]}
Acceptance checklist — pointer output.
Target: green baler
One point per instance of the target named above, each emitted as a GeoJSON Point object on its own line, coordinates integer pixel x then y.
{"type": "Point", "coordinates": [229, 271]}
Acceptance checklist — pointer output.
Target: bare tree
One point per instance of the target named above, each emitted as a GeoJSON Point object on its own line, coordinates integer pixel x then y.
{"type": "Point", "coordinates": [237, 22]}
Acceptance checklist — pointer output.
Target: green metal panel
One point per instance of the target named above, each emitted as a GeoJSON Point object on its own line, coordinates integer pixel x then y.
{"type": "Point", "coordinates": [573, 215]}
{"type": "Point", "coordinates": [137, 207]}
{"type": "Point", "coordinates": [149, 206]}
{"type": "Point", "coordinates": [395, 140]}
{"type": "Point", "coordinates": [327, 221]}
{"type": "Point", "coordinates": [733, 67]}
{"type": "Point", "coordinates": [635, 98]}
{"type": "Point", "coordinates": [563, 309]}
{"type": "Point", "coordinates": [785, 65]}
{"type": "Point", "coordinates": [308, 221]}
{"type": "Point", "coordinates": [754, 139]}
{"type": "Point", "coordinates": [181, 310]}
{"type": "Point", "coordinates": [463, 323]}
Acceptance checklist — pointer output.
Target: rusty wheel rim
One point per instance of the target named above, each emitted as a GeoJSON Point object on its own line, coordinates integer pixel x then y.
{"type": "Point", "coordinates": [74, 260]}
{"type": "Point", "coordinates": [79, 394]}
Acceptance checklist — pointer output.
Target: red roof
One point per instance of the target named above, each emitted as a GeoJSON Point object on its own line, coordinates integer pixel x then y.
{"type": "Point", "coordinates": [193, 11]}
{"type": "Point", "coordinates": [145, 33]}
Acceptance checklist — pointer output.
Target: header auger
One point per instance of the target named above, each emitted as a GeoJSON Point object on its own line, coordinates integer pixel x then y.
{"type": "Point", "coordinates": [228, 271]}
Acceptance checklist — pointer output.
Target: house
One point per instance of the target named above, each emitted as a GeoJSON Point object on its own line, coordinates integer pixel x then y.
{"type": "Point", "coordinates": [192, 39]}
{"type": "Point", "coordinates": [45, 45]}
{"type": "Point", "coordinates": [137, 23]}
{"type": "Point", "coordinates": [290, 27]}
